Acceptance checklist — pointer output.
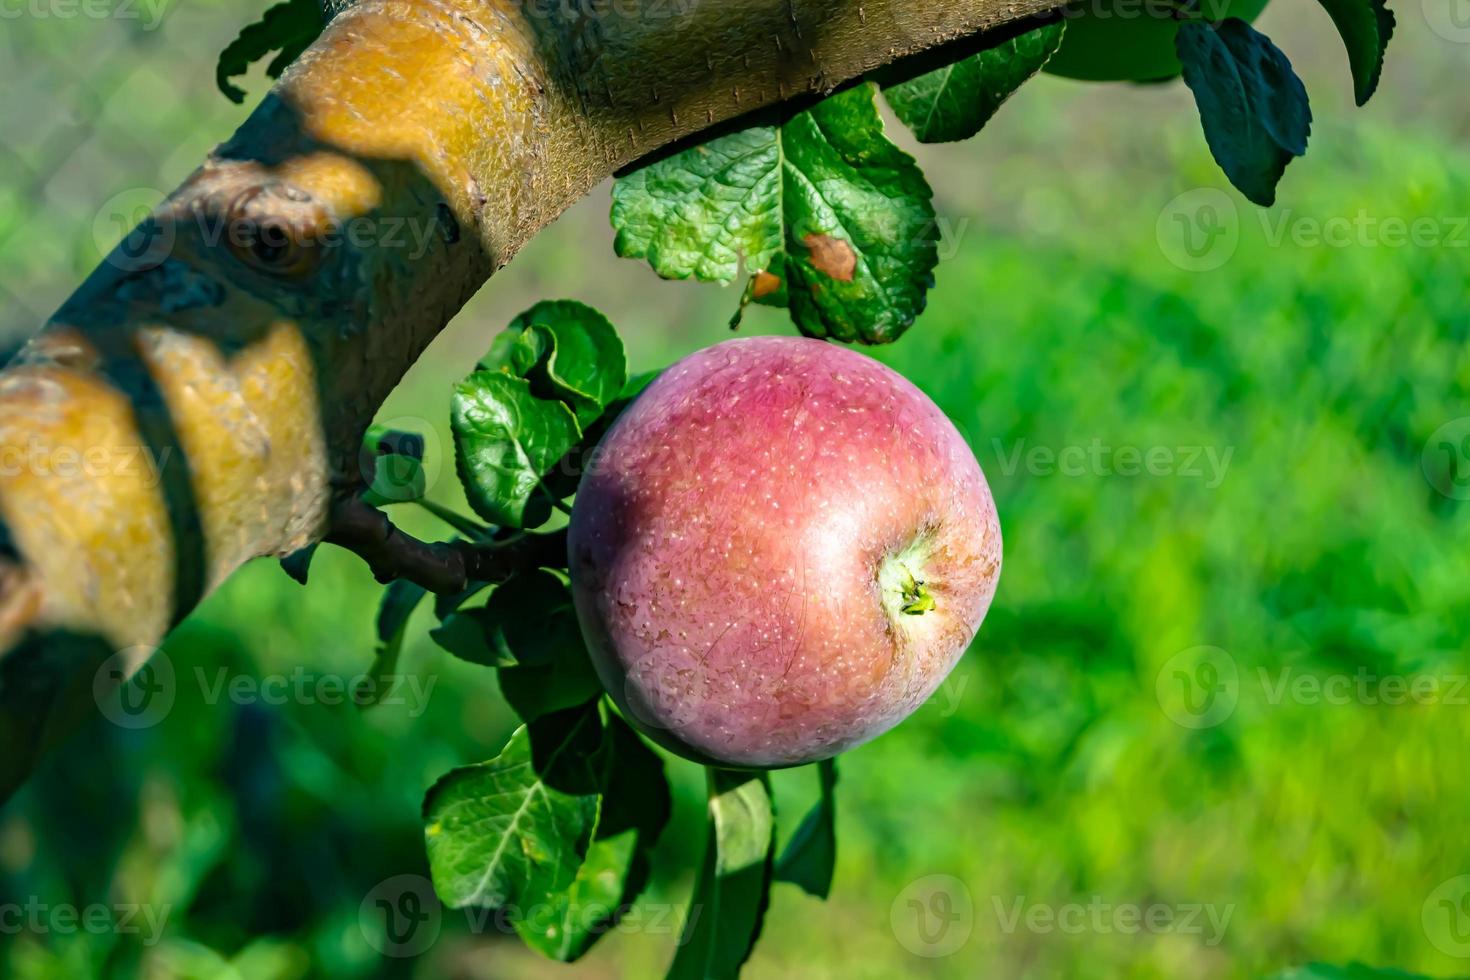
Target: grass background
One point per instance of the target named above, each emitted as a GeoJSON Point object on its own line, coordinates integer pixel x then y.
{"type": "Point", "coordinates": [1053, 771]}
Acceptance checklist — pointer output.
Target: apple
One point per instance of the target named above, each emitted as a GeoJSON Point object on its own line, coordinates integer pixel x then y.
{"type": "Point", "coordinates": [779, 551]}
{"type": "Point", "coordinates": [1131, 40]}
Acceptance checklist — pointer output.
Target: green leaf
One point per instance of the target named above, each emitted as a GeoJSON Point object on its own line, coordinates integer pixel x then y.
{"type": "Point", "coordinates": [552, 670]}
{"type": "Point", "coordinates": [584, 364]}
{"type": "Point", "coordinates": [392, 462]}
{"type": "Point", "coordinates": [566, 682]}
{"type": "Point", "coordinates": [1253, 107]}
{"type": "Point", "coordinates": [514, 830]}
{"type": "Point", "coordinates": [532, 619]}
{"type": "Point", "coordinates": [506, 439]}
{"type": "Point", "coordinates": [733, 889]}
{"type": "Point", "coordinates": [563, 481]}
{"type": "Point", "coordinates": [298, 563]}
{"type": "Point", "coordinates": [396, 480]}
{"type": "Point", "coordinates": [1353, 971]}
{"type": "Point", "coordinates": [635, 808]}
{"type": "Point", "coordinates": [400, 599]}
{"type": "Point", "coordinates": [446, 605]}
{"type": "Point", "coordinates": [379, 440]}
{"type": "Point", "coordinates": [288, 28]}
{"type": "Point", "coordinates": [1366, 27]}
{"type": "Point", "coordinates": [706, 211]}
{"type": "Point", "coordinates": [516, 351]}
{"type": "Point", "coordinates": [466, 635]}
{"type": "Point", "coordinates": [860, 224]}
{"type": "Point", "coordinates": [811, 855]}
{"type": "Point", "coordinates": [528, 621]}
{"type": "Point", "coordinates": [955, 102]}
{"type": "Point", "coordinates": [822, 210]}
{"type": "Point", "coordinates": [568, 351]}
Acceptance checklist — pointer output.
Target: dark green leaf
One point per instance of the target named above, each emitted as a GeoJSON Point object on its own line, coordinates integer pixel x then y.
{"type": "Point", "coordinates": [466, 635]}
{"type": "Point", "coordinates": [531, 619]}
{"type": "Point", "coordinates": [955, 102]}
{"type": "Point", "coordinates": [288, 28]}
{"type": "Point", "coordinates": [1366, 27]}
{"type": "Point", "coordinates": [514, 830]}
{"type": "Point", "coordinates": [584, 361]}
{"type": "Point", "coordinates": [635, 809]}
{"type": "Point", "coordinates": [506, 439]}
{"type": "Point", "coordinates": [445, 605]}
{"type": "Point", "coordinates": [823, 210]}
{"type": "Point", "coordinates": [400, 599]}
{"type": "Point", "coordinates": [1253, 107]}
{"type": "Point", "coordinates": [733, 889]}
{"type": "Point", "coordinates": [528, 621]}
{"type": "Point", "coordinates": [396, 480]}
{"type": "Point", "coordinates": [568, 681]}
{"type": "Point", "coordinates": [298, 563]}
{"type": "Point", "coordinates": [392, 465]}
{"type": "Point", "coordinates": [811, 855]}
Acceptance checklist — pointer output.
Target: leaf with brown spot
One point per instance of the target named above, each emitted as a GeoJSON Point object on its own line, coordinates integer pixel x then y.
{"type": "Point", "coordinates": [766, 284]}
{"type": "Point", "coordinates": [831, 256]}
{"type": "Point", "coordinates": [821, 200]}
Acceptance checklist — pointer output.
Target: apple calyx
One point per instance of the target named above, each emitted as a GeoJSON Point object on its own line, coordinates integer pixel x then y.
{"type": "Point", "coordinates": [906, 593]}
{"type": "Point", "coordinates": [916, 599]}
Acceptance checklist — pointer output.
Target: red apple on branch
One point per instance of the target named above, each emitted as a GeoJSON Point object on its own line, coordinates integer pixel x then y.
{"type": "Point", "coordinates": [779, 551]}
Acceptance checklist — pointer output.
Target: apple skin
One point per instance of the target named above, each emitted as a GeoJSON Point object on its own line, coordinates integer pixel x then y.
{"type": "Point", "coordinates": [743, 539]}
{"type": "Point", "coordinates": [1131, 40]}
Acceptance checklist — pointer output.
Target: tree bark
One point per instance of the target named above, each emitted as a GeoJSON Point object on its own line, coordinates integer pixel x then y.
{"type": "Point", "coordinates": [199, 400]}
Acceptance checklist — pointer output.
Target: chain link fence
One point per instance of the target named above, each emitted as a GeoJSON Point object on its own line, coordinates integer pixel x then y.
{"type": "Point", "coordinates": [108, 104]}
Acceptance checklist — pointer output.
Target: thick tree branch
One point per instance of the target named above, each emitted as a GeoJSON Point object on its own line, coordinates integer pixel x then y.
{"type": "Point", "coordinates": [198, 402]}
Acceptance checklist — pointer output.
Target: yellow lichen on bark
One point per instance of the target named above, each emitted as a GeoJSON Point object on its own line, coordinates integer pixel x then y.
{"type": "Point", "coordinates": [82, 498]}
{"type": "Point", "coordinates": [250, 426]}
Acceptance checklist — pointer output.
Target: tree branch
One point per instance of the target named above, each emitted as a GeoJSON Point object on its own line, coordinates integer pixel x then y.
{"type": "Point", "coordinates": [446, 568]}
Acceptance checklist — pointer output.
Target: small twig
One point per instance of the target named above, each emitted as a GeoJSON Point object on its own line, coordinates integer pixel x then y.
{"type": "Point", "coordinates": [463, 525]}
{"type": "Point", "coordinates": [446, 567]}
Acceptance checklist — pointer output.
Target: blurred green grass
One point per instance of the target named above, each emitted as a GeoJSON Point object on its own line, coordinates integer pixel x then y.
{"type": "Point", "coordinates": [1051, 772]}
